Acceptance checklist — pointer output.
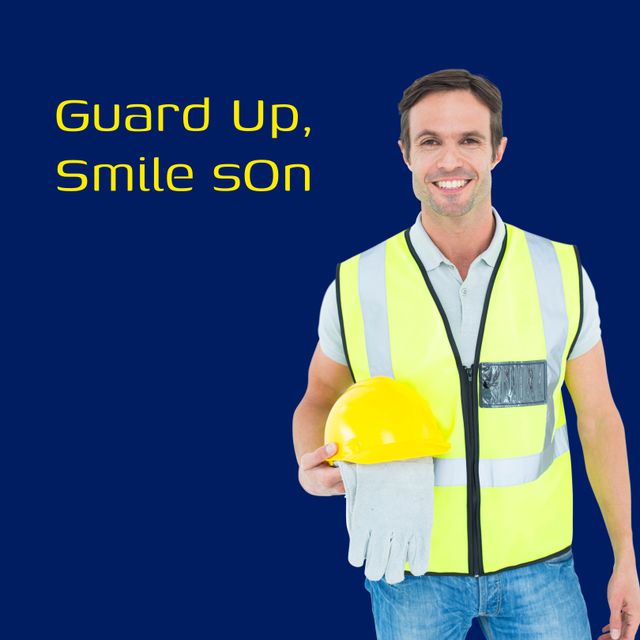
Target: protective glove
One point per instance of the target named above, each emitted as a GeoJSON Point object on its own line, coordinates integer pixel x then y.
{"type": "Point", "coordinates": [389, 515]}
{"type": "Point", "coordinates": [348, 473]}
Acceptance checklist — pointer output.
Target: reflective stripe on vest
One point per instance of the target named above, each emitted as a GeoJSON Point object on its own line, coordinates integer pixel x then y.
{"type": "Point", "coordinates": [507, 448]}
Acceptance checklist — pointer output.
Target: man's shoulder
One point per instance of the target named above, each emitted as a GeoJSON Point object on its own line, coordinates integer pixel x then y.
{"type": "Point", "coordinates": [537, 236]}
{"type": "Point", "coordinates": [376, 247]}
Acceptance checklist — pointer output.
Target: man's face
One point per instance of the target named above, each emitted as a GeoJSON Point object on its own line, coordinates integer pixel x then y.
{"type": "Point", "coordinates": [451, 140]}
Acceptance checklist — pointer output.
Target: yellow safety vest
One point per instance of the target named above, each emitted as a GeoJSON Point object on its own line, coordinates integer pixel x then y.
{"type": "Point", "coordinates": [503, 495]}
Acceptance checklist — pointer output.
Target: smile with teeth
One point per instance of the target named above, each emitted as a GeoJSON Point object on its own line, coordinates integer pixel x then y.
{"type": "Point", "coordinates": [451, 185]}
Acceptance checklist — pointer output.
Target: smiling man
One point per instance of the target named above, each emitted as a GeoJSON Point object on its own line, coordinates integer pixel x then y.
{"type": "Point", "coordinates": [487, 321]}
{"type": "Point", "coordinates": [457, 181]}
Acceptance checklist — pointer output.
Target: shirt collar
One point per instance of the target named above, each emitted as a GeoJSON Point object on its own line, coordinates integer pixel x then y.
{"type": "Point", "coordinates": [432, 257]}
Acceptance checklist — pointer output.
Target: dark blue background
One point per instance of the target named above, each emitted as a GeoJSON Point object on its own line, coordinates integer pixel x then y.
{"type": "Point", "coordinates": [157, 343]}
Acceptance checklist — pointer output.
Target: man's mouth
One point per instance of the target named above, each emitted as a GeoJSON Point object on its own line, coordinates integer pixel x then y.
{"type": "Point", "coordinates": [451, 186]}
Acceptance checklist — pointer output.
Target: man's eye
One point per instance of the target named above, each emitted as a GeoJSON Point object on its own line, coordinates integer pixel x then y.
{"type": "Point", "coordinates": [431, 141]}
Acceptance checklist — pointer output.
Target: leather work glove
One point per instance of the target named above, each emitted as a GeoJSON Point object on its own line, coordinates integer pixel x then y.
{"type": "Point", "coordinates": [389, 513]}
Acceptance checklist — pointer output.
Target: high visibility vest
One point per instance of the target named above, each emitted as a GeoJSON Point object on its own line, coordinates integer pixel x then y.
{"type": "Point", "coordinates": [503, 494]}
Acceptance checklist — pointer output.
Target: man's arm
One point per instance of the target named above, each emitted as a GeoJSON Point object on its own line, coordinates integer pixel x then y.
{"type": "Point", "coordinates": [605, 453]}
{"type": "Point", "coordinates": [328, 380]}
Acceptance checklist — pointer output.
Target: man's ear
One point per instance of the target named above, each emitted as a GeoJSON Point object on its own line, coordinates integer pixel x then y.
{"type": "Point", "coordinates": [404, 155]}
{"type": "Point", "coordinates": [500, 151]}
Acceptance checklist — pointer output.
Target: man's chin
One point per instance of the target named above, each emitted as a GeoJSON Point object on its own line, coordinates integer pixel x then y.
{"type": "Point", "coordinates": [450, 212]}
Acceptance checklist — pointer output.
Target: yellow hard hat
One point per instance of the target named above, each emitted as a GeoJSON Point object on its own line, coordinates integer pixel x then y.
{"type": "Point", "coordinates": [383, 420]}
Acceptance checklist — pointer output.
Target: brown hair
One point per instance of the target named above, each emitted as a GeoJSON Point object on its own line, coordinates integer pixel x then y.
{"type": "Point", "coordinates": [451, 80]}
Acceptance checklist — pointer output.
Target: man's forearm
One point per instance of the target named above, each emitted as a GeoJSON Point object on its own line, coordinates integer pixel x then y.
{"type": "Point", "coordinates": [308, 427]}
{"type": "Point", "coordinates": [605, 454]}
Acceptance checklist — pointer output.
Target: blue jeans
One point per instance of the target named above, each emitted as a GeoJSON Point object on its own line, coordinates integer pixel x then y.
{"type": "Point", "coordinates": [539, 600]}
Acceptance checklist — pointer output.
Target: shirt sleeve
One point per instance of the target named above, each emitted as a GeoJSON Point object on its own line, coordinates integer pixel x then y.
{"type": "Point", "coordinates": [590, 330]}
{"type": "Point", "coordinates": [329, 327]}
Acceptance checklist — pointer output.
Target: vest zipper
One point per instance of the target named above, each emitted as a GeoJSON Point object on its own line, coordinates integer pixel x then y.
{"type": "Point", "coordinates": [468, 389]}
{"type": "Point", "coordinates": [473, 479]}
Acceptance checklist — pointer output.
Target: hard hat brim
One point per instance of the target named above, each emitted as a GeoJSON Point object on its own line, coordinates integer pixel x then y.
{"type": "Point", "coordinates": [393, 452]}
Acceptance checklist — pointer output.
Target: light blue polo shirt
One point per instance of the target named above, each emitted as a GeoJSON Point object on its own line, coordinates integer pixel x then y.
{"type": "Point", "coordinates": [462, 301]}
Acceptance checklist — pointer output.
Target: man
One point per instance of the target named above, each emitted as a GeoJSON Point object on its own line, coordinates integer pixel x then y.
{"type": "Point", "coordinates": [493, 318]}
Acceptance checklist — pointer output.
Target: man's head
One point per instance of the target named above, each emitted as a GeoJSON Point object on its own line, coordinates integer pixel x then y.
{"type": "Point", "coordinates": [451, 127]}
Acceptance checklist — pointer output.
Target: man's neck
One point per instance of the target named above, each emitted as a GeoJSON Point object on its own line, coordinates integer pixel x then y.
{"type": "Point", "coordinates": [462, 239]}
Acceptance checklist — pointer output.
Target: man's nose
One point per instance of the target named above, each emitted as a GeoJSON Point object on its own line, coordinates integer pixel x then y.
{"type": "Point", "coordinates": [449, 158]}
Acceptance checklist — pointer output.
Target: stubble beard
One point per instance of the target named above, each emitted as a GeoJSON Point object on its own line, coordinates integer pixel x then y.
{"type": "Point", "coordinates": [453, 209]}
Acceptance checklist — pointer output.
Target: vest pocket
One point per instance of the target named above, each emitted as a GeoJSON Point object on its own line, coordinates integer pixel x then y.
{"type": "Point", "coordinates": [513, 384]}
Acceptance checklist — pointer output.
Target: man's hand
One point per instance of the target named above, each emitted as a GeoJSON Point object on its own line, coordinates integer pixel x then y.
{"type": "Point", "coordinates": [623, 594]}
{"type": "Point", "coordinates": [318, 477]}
